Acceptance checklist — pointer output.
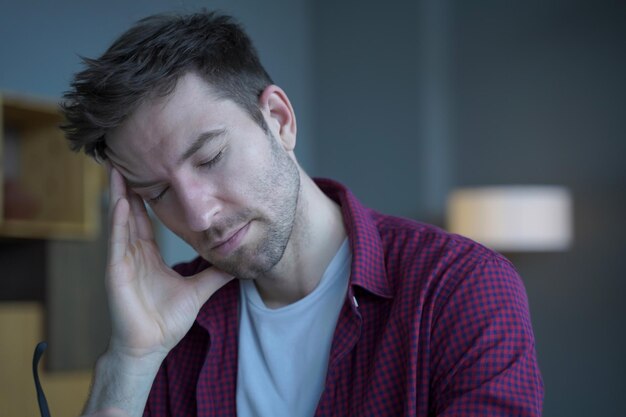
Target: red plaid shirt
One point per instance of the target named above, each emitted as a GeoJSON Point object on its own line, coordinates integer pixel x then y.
{"type": "Point", "coordinates": [433, 325]}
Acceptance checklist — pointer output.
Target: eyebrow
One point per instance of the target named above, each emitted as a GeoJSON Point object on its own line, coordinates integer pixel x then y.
{"type": "Point", "coordinates": [133, 184]}
{"type": "Point", "coordinates": [199, 143]}
{"type": "Point", "coordinates": [203, 138]}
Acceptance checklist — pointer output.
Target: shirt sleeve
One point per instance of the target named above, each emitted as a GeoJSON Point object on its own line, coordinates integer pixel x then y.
{"type": "Point", "coordinates": [484, 361]}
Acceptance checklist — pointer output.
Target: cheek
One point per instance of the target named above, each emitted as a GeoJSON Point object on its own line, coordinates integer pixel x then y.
{"type": "Point", "coordinates": [240, 175]}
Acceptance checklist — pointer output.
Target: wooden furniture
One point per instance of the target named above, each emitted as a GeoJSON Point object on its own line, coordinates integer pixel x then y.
{"type": "Point", "coordinates": [21, 327]}
{"type": "Point", "coordinates": [52, 249]}
{"type": "Point", "coordinates": [47, 191]}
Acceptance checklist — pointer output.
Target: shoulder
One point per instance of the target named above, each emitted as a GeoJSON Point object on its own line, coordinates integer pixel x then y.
{"type": "Point", "coordinates": [425, 257]}
{"type": "Point", "coordinates": [407, 241]}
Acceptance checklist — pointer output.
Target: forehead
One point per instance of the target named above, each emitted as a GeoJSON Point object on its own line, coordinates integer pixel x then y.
{"type": "Point", "coordinates": [173, 121]}
{"type": "Point", "coordinates": [190, 100]}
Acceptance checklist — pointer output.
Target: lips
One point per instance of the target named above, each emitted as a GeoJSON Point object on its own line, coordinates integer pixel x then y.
{"type": "Point", "coordinates": [228, 244]}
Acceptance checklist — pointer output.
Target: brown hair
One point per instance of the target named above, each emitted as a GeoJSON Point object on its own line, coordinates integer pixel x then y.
{"type": "Point", "coordinates": [147, 61]}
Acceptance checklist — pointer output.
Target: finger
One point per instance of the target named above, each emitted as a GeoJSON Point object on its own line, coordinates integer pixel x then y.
{"type": "Point", "coordinates": [118, 239]}
{"type": "Point", "coordinates": [132, 225]}
{"type": "Point", "coordinates": [117, 189]}
{"type": "Point", "coordinates": [207, 282]}
{"type": "Point", "coordinates": [140, 218]}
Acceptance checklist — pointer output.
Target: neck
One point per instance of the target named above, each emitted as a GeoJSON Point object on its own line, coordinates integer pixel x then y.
{"type": "Point", "coordinates": [317, 234]}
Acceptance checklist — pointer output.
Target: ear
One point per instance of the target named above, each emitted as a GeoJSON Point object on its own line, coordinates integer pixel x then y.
{"type": "Point", "coordinates": [279, 115]}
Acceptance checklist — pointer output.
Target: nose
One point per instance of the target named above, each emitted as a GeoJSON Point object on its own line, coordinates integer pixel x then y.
{"type": "Point", "coordinates": [199, 206]}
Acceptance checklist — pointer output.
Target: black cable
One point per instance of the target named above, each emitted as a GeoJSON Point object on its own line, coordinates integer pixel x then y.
{"type": "Point", "coordinates": [41, 397]}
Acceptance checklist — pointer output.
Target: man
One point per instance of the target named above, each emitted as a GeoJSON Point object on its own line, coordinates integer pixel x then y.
{"type": "Point", "coordinates": [302, 302]}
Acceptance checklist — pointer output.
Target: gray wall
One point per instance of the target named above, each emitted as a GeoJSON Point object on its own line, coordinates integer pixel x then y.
{"type": "Point", "coordinates": [367, 77]}
{"type": "Point", "coordinates": [540, 93]}
{"type": "Point", "coordinates": [525, 92]}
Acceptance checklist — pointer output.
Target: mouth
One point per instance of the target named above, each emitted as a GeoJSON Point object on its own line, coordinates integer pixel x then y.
{"type": "Point", "coordinates": [232, 241]}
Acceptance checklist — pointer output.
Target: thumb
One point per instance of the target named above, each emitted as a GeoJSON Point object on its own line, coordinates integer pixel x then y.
{"type": "Point", "coordinates": [207, 282]}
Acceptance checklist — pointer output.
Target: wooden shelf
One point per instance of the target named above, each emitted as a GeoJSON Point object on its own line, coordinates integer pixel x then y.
{"type": "Point", "coordinates": [47, 192]}
{"type": "Point", "coordinates": [21, 327]}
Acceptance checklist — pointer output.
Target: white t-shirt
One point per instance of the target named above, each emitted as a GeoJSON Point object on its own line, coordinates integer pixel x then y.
{"type": "Point", "coordinates": [283, 352]}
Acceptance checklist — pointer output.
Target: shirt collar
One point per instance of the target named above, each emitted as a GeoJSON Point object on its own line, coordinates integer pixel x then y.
{"type": "Point", "coordinates": [368, 261]}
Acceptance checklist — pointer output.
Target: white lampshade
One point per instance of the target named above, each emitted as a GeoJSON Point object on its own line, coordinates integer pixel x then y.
{"type": "Point", "coordinates": [513, 218]}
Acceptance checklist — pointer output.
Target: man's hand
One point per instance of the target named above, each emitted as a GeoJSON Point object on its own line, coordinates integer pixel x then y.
{"type": "Point", "coordinates": [152, 307]}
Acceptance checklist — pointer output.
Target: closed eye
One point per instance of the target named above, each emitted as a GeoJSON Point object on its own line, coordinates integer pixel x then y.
{"type": "Point", "coordinates": [156, 199]}
{"type": "Point", "coordinates": [208, 164]}
{"type": "Point", "coordinates": [213, 161]}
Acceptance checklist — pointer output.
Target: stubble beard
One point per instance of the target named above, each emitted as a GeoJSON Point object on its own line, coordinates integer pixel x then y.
{"type": "Point", "coordinates": [279, 190]}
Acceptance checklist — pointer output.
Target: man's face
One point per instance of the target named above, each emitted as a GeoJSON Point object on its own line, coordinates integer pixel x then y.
{"type": "Point", "coordinates": [212, 175]}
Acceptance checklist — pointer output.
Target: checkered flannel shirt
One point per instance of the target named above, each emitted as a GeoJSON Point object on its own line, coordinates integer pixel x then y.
{"type": "Point", "coordinates": [433, 325]}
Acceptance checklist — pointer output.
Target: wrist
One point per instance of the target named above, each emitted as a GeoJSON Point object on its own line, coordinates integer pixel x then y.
{"type": "Point", "coordinates": [135, 359]}
{"type": "Point", "coordinates": [123, 381]}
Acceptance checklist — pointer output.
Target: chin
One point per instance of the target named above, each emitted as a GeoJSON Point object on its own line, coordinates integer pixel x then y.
{"type": "Point", "coordinates": [247, 264]}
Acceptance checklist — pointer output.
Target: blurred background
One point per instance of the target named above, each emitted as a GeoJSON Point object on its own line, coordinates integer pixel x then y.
{"type": "Point", "coordinates": [404, 102]}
